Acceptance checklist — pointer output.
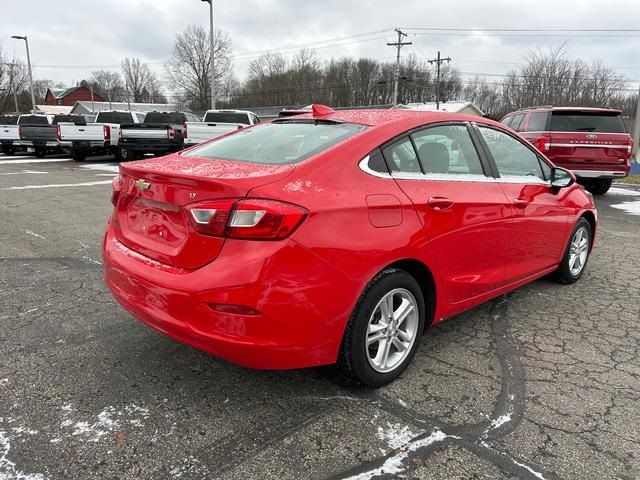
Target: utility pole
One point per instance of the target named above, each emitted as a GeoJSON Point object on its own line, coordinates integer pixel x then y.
{"type": "Point", "coordinates": [438, 61]}
{"type": "Point", "coordinates": [211, 40]}
{"type": "Point", "coordinates": [33, 97]}
{"type": "Point", "coordinates": [636, 129]}
{"type": "Point", "coordinates": [399, 44]}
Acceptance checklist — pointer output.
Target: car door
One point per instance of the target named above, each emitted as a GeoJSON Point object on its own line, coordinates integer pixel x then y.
{"type": "Point", "coordinates": [540, 219]}
{"type": "Point", "coordinates": [462, 208]}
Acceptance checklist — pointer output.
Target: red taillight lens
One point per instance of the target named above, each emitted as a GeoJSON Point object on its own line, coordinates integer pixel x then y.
{"type": "Point", "coordinates": [107, 133]}
{"type": "Point", "coordinates": [58, 136]}
{"type": "Point", "coordinates": [116, 183]}
{"type": "Point", "coordinates": [20, 133]}
{"type": "Point", "coordinates": [252, 219]}
{"type": "Point", "coordinates": [543, 143]}
{"type": "Point", "coordinates": [185, 132]}
{"type": "Point", "coordinates": [171, 134]}
{"type": "Point", "coordinates": [119, 134]}
{"type": "Point", "coordinates": [630, 146]}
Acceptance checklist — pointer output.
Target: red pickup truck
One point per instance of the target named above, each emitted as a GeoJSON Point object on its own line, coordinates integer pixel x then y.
{"type": "Point", "coordinates": [591, 142]}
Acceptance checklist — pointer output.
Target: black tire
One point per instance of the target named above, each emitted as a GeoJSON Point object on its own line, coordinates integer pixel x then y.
{"type": "Point", "coordinates": [40, 152]}
{"type": "Point", "coordinates": [8, 150]}
{"type": "Point", "coordinates": [598, 187]}
{"type": "Point", "coordinates": [116, 154]}
{"type": "Point", "coordinates": [78, 155]}
{"type": "Point", "coordinates": [353, 359]}
{"type": "Point", "coordinates": [126, 155]}
{"type": "Point", "coordinates": [564, 273]}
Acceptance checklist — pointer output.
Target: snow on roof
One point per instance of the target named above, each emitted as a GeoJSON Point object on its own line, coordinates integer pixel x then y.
{"type": "Point", "coordinates": [54, 109]}
{"type": "Point", "coordinates": [83, 106]}
{"type": "Point", "coordinates": [452, 107]}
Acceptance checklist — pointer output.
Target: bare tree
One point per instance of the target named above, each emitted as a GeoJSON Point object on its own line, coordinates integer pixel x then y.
{"type": "Point", "coordinates": [108, 85]}
{"type": "Point", "coordinates": [13, 77]}
{"type": "Point", "coordinates": [189, 70]}
{"type": "Point", "coordinates": [141, 84]}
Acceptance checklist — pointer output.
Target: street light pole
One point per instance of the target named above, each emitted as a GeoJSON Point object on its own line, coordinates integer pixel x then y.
{"type": "Point", "coordinates": [33, 96]}
{"type": "Point", "coordinates": [211, 57]}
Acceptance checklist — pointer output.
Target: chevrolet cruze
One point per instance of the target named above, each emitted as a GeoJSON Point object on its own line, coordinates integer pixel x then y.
{"type": "Point", "coordinates": [338, 237]}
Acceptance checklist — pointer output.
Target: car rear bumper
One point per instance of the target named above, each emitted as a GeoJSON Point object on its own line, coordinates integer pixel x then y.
{"type": "Point", "coordinates": [293, 324]}
{"type": "Point", "coordinates": [601, 174]}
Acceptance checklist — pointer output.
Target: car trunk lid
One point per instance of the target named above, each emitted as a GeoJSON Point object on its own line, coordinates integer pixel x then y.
{"type": "Point", "coordinates": [150, 215]}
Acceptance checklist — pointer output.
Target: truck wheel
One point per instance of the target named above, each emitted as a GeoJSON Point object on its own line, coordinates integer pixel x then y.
{"type": "Point", "coordinates": [116, 154]}
{"type": "Point", "coordinates": [40, 152]}
{"type": "Point", "coordinates": [8, 150]}
{"type": "Point", "coordinates": [598, 187]}
{"type": "Point", "coordinates": [78, 155]}
{"type": "Point", "coordinates": [125, 154]}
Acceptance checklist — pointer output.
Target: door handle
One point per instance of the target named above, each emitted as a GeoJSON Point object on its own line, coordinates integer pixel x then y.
{"type": "Point", "coordinates": [439, 203]}
{"type": "Point", "coordinates": [521, 203]}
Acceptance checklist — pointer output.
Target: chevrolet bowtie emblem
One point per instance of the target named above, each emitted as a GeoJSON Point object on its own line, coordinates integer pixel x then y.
{"type": "Point", "coordinates": [142, 185]}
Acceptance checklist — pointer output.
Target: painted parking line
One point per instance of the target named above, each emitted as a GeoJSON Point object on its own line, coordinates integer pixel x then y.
{"type": "Point", "coordinates": [25, 172]}
{"type": "Point", "coordinates": [103, 167]}
{"type": "Point", "coordinates": [34, 160]}
{"type": "Point", "coordinates": [58, 185]}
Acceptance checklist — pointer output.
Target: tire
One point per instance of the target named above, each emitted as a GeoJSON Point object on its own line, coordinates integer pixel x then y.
{"type": "Point", "coordinates": [357, 359]}
{"type": "Point", "coordinates": [8, 150]}
{"type": "Point", "coordinates": [598, 187]}
{"type": "Point", "coordinates": [126, 155]}
{"type": "Point", "coordinates": [40, 152]}
{"type": "Point", "coordinates": [78, 155]}
{"type": "Point", "coordinates": [567, 273]}
{"type": "Point", "coordinates": [116, 154]}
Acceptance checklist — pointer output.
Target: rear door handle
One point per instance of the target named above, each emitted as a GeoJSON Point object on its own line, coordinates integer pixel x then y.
{"type": "Point", "coordinates": [521, 203]}
{"type": "Point", "coordinates": [439, 203]}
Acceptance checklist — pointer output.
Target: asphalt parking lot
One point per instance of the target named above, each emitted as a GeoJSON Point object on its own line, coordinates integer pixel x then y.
{"type": "Point", "coordinates": [541, 384]}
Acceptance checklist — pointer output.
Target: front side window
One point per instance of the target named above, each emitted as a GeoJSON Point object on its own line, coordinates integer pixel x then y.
{"type": "Point", "coordinates": [513, 159]}
{"type": "Point", "coordinates": [516, 122]}
{"type": "Point", "coordinates": [401, 157]}
{"type": "Point", "coordinates": [277, 143]}
{"type": "Point", "coordinates": [507, 120]}
{"type": "Point", "coordinates": [447, 149]}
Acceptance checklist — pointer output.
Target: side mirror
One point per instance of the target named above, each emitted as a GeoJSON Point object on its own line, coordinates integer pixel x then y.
{"type": "Point", "coordinates": [562, 178]}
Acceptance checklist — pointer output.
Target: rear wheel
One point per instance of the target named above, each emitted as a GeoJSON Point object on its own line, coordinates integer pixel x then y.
{"type": "Point", "coordinates": [78, 155]}
{"type": "Point", "coordinates": [598, 187]}
{"type": "Point", "coordinates": [8, 149]}
{"type": "Point", "coordinates": [127, 155]}
{"type": "Point", "coordinates": [384, 330]}
{"type": "Point", "coordinates": [40, 152]}
{"type": "Point", "coordinates": [577, 253]}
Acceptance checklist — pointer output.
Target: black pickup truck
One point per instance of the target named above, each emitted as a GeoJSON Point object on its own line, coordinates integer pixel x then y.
{"type": "Point", "coordinates": [39, 132]}
{"type": "Point", "coordinates": [160, 133]}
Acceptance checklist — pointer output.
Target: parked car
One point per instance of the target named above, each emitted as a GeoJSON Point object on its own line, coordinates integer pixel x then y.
{"type": "Point", "coordinates": [591, 142]}
{"type": "Point", "coordinates": [217, 123]}
{"type": "Point", "coordinates": [39, 132]}
{"type": "Point", "coordinates": [9, 135]}
{"type": "Point", "coordinates": [98, 138]}
{"type": "Point", "coordinates": [160, 133]}
{"type": "Point", "coordinates": [337, 237]}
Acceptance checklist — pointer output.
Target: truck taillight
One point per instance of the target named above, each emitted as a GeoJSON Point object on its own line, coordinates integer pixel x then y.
{"type": "Point", "coordinates": [58, 135]}
{"type": "Point", "coordinates": [630, 146]}
{"type": "Point", "coordinates": [250, 219]}
{"type": "Point", "coordinates": [116, 183]}
{"type": "Point", "coordinates": [20, 133]}
{"type": "Point", "coordinates": [171, 134]}
{"type": "Point", "coordinates": [119, 134]}
{"type": "Point", "coordinates": [185, 132]}
{"type": "Point", "coordinates": [543, 143]}
{"type": "Point", "coordinates": [107, 133]}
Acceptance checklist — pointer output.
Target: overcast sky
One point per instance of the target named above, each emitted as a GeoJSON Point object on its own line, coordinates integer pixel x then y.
{"type": "Point", "coordinates": [69, 38]}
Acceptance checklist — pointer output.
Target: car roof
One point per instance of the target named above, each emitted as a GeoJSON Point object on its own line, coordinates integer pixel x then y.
{"type": "Point", "coordinates": [567, 109]}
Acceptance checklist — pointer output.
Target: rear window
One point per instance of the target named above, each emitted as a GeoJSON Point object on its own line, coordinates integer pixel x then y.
{"type": "Point", "coordinates": [33, 120]}
{"type": "Point", "coordinates": [224, 117]}
{"type": "Point", "coordinates": [114, 117]}
{"type": "Point", "coordinates": [277, 143]}
{"type": "Point", "coordinates": [161, 117]}
{"type": "Point", "coordinates": [587, 122]}
{"type": "Point", "coordinates": [75, 119]}
{"type": "Point", "coordinates": [8, 120]}
{"type": "Point", "coordinates": [537, 122]}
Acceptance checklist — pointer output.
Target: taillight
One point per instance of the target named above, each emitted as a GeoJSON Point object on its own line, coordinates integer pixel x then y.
{"type": "Point", "coordinates": [116, 183]}
{"type": "Point", "coordinates": [120, 134]}
{"type": "Point", "coordinates": [543, 143]}
{"type": "Point", "coordinates": [107, 133]}
{"type": "Point", "coordinates": [630, 146]}
{"type": "Point", "coordinates": [171, 134]}
{"type": "Point", "coordinates": [185, 132]}
{"type": "Point", "coordinates": [252, 219]}
{"type": "Point", "coordinates": [20, 133]}
{"type": "Point", "coordinates": [58, 135]}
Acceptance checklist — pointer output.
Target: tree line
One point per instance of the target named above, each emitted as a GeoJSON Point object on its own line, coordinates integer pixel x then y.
{"type": "Point", "coordinates": [544, 78]}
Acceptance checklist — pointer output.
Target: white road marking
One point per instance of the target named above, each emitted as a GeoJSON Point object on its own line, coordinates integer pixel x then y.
{"type": "Point", "coordinates": [104, 167]}
{"type": "Point", "coordinates": [34, 160]}
{"type": "Point", "coordinates": [59, 185]}
{"type": "Point", "coordinates": [34, 234]}
{"type": "Point", "coordinates": [25, 172]}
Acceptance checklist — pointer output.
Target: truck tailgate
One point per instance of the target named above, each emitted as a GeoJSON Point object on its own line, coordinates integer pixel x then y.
{"type": "Point", "coordinates": [78, 133]}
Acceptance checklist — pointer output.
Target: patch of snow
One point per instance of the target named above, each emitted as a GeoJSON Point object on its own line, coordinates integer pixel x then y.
{"type": "Point", "coordinates": [103, 167]}
{"type": "Point", "coordinates": [34, 234]}
{"type": "Point", "coordinates": [501, 420]}
{"type": "Point", "coordinates": [531, 470]}
{"type": "Point", "coordinates": [402, 402]}
{"type": "Point", "coordinates": [396, 435]}
{"type": "Point", "coordinates": [59, 185]}
{"type": "Point", "coordinates": [28, 311]}
{"type": "Point", "coordinates": [623, 191]}
{"type": "Point", "coordinates": [106, 422]}
{"type": "Point", "coordinates": [8, 470]}
{"type": "Point", "coordinates": [632, 208]}
{"type": "Point", "coordinates": [21, 430]}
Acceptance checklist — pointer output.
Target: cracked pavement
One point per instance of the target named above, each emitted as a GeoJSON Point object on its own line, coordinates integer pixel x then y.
{"type": "Point", "coordinates": [542, 383]}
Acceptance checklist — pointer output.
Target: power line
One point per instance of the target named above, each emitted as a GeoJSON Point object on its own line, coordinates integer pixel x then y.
{"type": "Point", "coordinates": [475, 29]}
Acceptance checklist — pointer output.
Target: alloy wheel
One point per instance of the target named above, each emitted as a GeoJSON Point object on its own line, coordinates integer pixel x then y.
{"type": "Point", "coordinates": [578, 251]}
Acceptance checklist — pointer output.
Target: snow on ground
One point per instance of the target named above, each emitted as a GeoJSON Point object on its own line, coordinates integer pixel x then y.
{"type": "Point", "coordinates": [632, 208]}
{"type": "Point", "coordinates": [623, 191]}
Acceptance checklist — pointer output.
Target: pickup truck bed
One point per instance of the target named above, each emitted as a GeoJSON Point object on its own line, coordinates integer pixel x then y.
{"type": "Point", "coordinates": [217, 123]}
{"type": "Point", "coordinates": [8, 138]}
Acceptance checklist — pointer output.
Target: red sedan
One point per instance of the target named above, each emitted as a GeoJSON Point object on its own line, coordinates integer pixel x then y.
{"type": "Point", "coordinates": [338, 237]}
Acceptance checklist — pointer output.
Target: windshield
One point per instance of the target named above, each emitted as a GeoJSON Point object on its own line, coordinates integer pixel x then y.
{"type": "Point", "coordinates": [33, 120]}
{"type": "Point", "coordinates": [277, 143]}
{"type": "Point", "coordinates": [114, 117]}
{"type": "Point", "coordinates": [227, 117]}
{"type": "Point", "coordinates": [164, 117]}
{"type": "Point", "coordinates": [608, 122]}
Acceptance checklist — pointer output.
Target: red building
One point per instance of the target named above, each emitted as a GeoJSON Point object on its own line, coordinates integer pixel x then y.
{"type": "Point", "coordinates": [69, 96]}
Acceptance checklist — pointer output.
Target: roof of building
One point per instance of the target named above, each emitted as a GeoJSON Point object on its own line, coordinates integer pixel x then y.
{"type": "Point", "coordinates": [59, 93]}
{"type": "Point", "coordinates": [53, 109]}
{"type": "Point", "coordinates": [453, 107]}
{"type": "Point", "coordinates": [83, 106]}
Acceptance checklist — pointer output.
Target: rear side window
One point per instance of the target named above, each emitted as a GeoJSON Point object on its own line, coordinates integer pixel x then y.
{"type": "Point", "coordinates": [447, 149]}
{"type": "Point", "coordinates": [277, 143]}
{"type": "Point", "coordinates": [537, 122]}
{"type": "Point", "coordinates": [507, 120]}
{"type": "Point", "coordinates": [113, 117]}
{"type": "Point", "coordinates": [164, 117]}
{"type": "Point", "coordinates": [33, 120]}
{"type": "Point", "coordinates": [402, 157]}
{"type": "Point", "coordinates": [227, 117]}
{"type": "Point", "coordinates": [573, 121]}
{"type": "Point", "coordinates": [516, 122]}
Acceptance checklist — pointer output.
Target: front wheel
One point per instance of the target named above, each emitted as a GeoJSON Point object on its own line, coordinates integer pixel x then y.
{"type": "Point", "coordinates": [78, 155]}
{"type": "Point", "coordinates": [384, 330]}
{"type": "Point", "coordinates": [8, 150]}
{"type": "Point", "coordinates": [577, 253]}
{"type": "Point", "coordinates": [599, 187]}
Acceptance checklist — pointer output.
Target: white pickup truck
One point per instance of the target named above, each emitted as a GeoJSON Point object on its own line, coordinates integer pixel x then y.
{"type": "Point", "coordinates": [9, 134]}
{"type": "Point", "coordinates": [217, 123]}
{"type": "Point", "coordinates": [97, 138]}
